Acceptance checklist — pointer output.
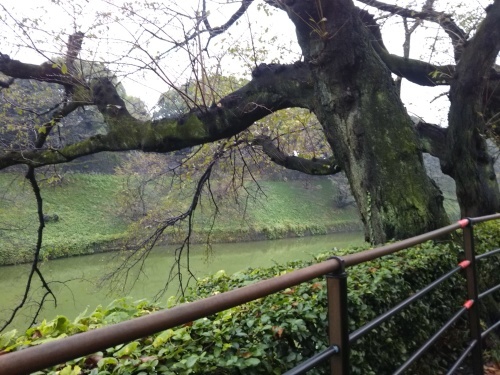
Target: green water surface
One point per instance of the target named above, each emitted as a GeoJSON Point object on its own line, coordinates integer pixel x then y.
{"type": "Point", "coordinates": [77, 282]}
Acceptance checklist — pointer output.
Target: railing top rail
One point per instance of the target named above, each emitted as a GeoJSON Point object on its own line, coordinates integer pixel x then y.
{"type": "Point", "coordinates": [484, 218]}
{"type": "Point", "coordinates": [59, 351]}
{"type": "Point", "coordinates": [367, 255]}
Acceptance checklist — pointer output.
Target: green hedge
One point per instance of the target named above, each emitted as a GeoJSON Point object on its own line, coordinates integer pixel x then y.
{"type": "Point", "coordinates": [273, 334]}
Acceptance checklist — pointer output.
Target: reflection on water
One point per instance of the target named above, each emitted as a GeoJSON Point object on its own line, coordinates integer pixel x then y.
{"type": "Point", "coordinates": [74, 280]}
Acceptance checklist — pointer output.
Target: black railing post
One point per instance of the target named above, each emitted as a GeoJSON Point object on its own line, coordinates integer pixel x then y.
{"type": "Point", "coordinates": [472, 295]}
{"type": "Point", "coordinates": [338, 325]}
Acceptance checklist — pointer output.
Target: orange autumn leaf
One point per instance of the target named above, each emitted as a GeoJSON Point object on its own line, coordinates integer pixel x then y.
{"type": "Point", "coordinates": [317, 286]}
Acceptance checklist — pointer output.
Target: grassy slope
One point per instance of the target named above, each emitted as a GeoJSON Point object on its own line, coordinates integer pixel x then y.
{"type": "Point", "coordinates": [296, 205]}
{"type": "Point", "coordinates": [87, 206]}
{"type": "Point", "coordinates": [283, 209]}
{"type": "Point", "coordinates": [84, 204]}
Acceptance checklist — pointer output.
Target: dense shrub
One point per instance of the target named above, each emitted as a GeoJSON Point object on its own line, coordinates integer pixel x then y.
{"type": "Point", "coordinates": [271, 335]}
{"type": "Point", "coordinates": [488, 238]}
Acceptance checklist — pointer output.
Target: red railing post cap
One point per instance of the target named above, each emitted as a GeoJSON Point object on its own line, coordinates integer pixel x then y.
{"type": "Point", "coordinates": [463, 223]}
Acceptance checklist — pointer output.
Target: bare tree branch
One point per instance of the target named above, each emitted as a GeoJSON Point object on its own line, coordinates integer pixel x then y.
{"type": "Point", "coordinates": [45, 129]}
{"type": "Point", "coordinates": [140, 252]}
{"type": "Point", "coordinates": [46, 72]}
{"type": "Point", "coordinates": [314, 166]}
{"type": "Point", "coordinates": [408, 32]}
{"type": "Point", "coordinates": [457, 35]}
{"type": "Point", "coordinates": [272, 88]}
{"type": "Point", "coordinates": [214, 31]}
{"type": "Point", "coordinates": [416, 71]}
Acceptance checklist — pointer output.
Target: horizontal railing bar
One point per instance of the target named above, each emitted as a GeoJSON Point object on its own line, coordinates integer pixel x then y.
{"type": "Point", "coordinates": [490, 329]}
{"type": "Point", "coordinates": [489, 291]}
{"type": "Point", "coordinates": [367, 255]}
{"type": "Point", "coordinates": [382, 318]}
{"type": "Point", "coordinates": [459, 361]}
{"type": "Point", "coordinates": [429, 342]}
{"type": "Point", "coordinates": [480, 219]}
{"type": "Point", "coordinates": [313, 361]}
{"type": "Point", "coordinates": [484, 255]}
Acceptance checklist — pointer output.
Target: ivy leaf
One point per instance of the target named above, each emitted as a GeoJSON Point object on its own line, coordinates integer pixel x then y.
{"type": "Point", "coordinates": [107, 361]}
{"type": "Point", "coordinates": [64, 69]}
{"type": "Point", "coordinates": [252, 361]}
{"type": "Point", "coordinates": [127, 349]}
{"type": "Point", "coordinates": [163, 338]}
{"type": "Point", "coordinates": [69, 370]}
{"type": "Point", "coordinates": [61, 324]}
{"type": "Point", "coordinates": [7, 337]}
{"type": "Point", "coordinates": [191, 361]}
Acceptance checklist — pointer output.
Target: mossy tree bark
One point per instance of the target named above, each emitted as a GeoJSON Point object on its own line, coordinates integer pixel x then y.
{"type": "Point", "coordinates": [365, 122]}
{"type": "Point", "coordinates": [467, 159]}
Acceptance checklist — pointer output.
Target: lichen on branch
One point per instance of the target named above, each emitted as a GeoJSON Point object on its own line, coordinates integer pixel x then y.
{"type": "Point", "coordinates": [272, 88]}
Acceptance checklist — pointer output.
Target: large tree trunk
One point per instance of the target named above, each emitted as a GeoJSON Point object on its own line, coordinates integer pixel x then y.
{"type": "Point", "coordinates": [468, 160]}
{"type": "Point", "coordinates": [365, 123]}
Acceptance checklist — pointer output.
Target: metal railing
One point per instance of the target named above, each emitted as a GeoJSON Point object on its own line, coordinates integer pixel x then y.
{"type": "Point", "coordinates": [340, 341]}
{"type": "Point", "coordinates": [59, 351]}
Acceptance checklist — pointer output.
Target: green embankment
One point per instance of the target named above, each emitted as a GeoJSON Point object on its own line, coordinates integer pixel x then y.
{"type": "Point", "coordinates": [85, 205]}
{"type": "Point", "coordinates": [284, 209]}
{"type": "Point", "coordinates": [88, 210]}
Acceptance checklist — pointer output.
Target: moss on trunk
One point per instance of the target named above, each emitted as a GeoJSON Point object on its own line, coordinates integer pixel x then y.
{"type": "Point", "coordinates": [367, 126]}
{"type": "Point", "coordinates": [467, 159]}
